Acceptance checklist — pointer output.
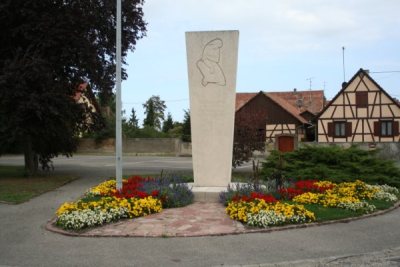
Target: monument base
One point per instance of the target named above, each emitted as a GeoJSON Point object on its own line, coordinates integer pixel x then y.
{"type": "Point", "coordinates": [206, 193]}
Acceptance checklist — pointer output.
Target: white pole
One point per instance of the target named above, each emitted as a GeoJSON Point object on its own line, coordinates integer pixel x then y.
{"type": "Point", "coordinates": [118, 131]}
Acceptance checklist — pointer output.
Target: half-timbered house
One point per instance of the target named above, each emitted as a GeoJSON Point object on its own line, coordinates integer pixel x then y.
{"type": "Point", "coordinates": [362, 112]}
{"type": "Point", "coordinates": [280, 118]}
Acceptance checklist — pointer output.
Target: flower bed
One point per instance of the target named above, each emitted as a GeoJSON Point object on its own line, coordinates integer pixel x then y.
{"type": "Point", "coordinates": [260, 213]}
{"type": "Point", "coordinates": [352, 196]}
{"type": "Point", "coordinates": [264, 210]}
{"type": "Point", "coordinates": [138, 197]}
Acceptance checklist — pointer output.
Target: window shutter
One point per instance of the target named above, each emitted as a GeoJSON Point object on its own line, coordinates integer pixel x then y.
{"type": "Point", "coordinates": [331, 129]}
{"type": "Point", "coordinates": [377, 128]}
{"type": "Point", "coordinates": [395, 128]}
{"type": "Point", "coordinates": [349, 130]}
{"type": "Point", "coordinates": [362, 99]}
{"type": "Point", "coordinates": [358, 99]}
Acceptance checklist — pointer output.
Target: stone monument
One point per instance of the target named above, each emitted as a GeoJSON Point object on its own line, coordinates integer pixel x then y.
{"type": "Point", "coordinates": [212, 67]}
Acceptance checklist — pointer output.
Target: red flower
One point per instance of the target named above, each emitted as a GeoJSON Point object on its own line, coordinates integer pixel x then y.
{"type": "Point", "coordinates": [253, 196]}
{"type": "Point", "coordinates": [131, 188]}
{"type": "Point", "coordinates": [301, 187]}
{"type": "Point", "coordinates": [289, 193]}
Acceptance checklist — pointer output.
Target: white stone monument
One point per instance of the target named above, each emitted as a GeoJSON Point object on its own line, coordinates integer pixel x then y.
{"type": "Point", "coordinates": [212, 67]}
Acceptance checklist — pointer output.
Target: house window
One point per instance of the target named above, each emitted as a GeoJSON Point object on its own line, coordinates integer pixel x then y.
{"type": "Point", "coordinates": [361, 99]}
{"type": "Point", "coordinates": [340, 129]}
{"type": "Point", "coordinates": [386, 128]}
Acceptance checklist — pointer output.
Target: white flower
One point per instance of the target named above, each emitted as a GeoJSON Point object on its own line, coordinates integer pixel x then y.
{"type": "Point", "coordinates": [357, 206]}
{"type": "Point", "coordinates": [382, 195]}
{"type": "Point", "coordinates": [87, 218]}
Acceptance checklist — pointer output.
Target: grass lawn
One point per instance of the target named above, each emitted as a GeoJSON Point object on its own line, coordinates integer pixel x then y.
{"type": "Point", "coordinates": [326, 214]}
{"type": "Point", "coordinates": [16, 188]}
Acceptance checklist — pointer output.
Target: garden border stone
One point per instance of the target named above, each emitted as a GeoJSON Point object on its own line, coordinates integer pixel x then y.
{"type": "Point", "coordinates": [50, 226]}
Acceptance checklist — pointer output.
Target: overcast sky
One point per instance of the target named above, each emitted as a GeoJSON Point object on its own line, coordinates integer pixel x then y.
{"type": "Point", "coordinates": [282, 44]}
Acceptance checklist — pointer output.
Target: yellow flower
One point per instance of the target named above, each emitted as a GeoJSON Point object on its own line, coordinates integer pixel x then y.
{"type": "Point", "coordinates": [66, 207]}
{"type": "Point", "coordinates": [106, 188]}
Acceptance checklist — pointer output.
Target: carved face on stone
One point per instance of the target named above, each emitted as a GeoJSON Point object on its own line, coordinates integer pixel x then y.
{"type": "Point", "coordinates": [212, 50]}
{"type": "Point", "coordinates": [209, 64]}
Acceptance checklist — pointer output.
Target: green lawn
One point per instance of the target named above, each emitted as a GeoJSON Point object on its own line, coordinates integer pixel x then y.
{"type": "Point", "coordinates": [329, 213]}
{"type": "Point", "coordinates": [16, 188]}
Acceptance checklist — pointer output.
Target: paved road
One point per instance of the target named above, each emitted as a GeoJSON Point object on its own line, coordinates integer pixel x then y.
{"type": "Point", "coordinates": [131, 164]}
{"type": "Point", "coordinates": [25, 242]}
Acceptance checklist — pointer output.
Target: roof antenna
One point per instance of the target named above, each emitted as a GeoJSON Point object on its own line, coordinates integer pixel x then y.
{"type": "Point", "coordinates": [310, 79]}
{"type": "Point", "coordinates": [344, 70]}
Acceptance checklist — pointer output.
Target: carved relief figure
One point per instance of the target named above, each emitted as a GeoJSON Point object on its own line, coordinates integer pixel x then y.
{"type": "Point", "coordinates": [208, 64]}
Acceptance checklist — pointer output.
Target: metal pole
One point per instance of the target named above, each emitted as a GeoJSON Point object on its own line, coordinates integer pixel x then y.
{"type": "Point", "coordinates": [118, 131]}
{"type": "Point", "coordinates": [344, 71]}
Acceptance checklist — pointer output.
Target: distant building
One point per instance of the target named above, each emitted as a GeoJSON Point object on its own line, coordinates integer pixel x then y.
{"type": "Point", "coordinates": [282, 118]}
{"type": "Point", "coordinates": [85, 97]}
{"type": "Point", "coordinates": [361, 112]}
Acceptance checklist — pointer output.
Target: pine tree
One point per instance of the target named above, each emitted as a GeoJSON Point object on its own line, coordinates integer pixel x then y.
{"type": "Point", "coordinates": [133, 120]}
{"type": "Point", "coordinates": [186, 131]}
{"type": "Point", "coordinates": [154, 110]}
{"type": "Point", "coordinates": [168, 123]}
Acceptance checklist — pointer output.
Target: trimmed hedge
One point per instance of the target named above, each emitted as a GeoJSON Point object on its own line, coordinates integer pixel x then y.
{"type": "Point", "coordinates": [332, 163]}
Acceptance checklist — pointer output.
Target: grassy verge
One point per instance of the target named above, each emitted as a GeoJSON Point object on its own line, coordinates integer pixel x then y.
{"type": "Point", "coordinates": [326, 214]}
{"type": "Point", "coordinates": [16, 188]}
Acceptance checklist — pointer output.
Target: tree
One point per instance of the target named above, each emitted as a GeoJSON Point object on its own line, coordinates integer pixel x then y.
{"type": "Point", "coordinates": [249, 136]}
{"type": "Point", "coordinates": [133, 120]}
{"type": "Point", "coordinates": [186, 131]}
{"type": "Point", "coordinates": [130, 127]}
{"type": "Point", "coordinates": [48, 48]}
{"type": "Point", "coordinates": [176, 130]}
{"type": "Point", "coordinates": [154, 110]}
{"type": "Point", "coordinates": [168, 123]}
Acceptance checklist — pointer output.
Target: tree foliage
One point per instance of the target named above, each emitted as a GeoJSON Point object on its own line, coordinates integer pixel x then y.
{"type": "Point", "coordinates": [154, 110]}
{"type": "Point", "coordinates": [168, 124]}
{"type": "Point", "coordinates": [130, 127]}
{"type": "Point", "coordinates": [133, 121]}
{"type": "Point", "coordinates": [249, 136]}
{"type": "Point", "coordinates": [186, 130]}
{"type": "Point", "coordinates": [48, 48]}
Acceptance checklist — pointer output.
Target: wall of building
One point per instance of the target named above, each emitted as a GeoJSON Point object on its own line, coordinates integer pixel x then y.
{"type": "Point", "coordinates": [362, 119]}
{"type": "Point", "coordinates": [168, 146]}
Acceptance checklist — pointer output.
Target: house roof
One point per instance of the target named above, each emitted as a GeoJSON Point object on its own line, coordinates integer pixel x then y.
{"type": "Point", "coordinates": [311, 101]}
{"type": "Point", "coordinates": [360, 73]}
{"type": "Point", "coordinates": [243, 98]}
{"type": "Point", "coordinates": [286, 106]}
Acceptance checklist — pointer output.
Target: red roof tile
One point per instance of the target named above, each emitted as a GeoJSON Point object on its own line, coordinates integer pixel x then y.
{"type": "Point", "coordinates": [243, 98]}
{"type": "Point", "coordinates": [295, 102]}
{"type": "Point", "coordinates": [312, 101]}
{"type": "Point", "coordinates": [286, 106]}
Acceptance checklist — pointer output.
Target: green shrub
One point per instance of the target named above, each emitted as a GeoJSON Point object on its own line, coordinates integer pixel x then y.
{"type": "Point", "coordinates": [333, 163]}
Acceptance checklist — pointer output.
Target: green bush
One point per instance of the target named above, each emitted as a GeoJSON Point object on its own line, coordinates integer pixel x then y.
{"type": "Point", "coordinates": [332, 163]}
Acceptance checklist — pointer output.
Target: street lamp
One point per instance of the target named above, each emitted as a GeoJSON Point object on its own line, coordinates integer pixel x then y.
{"type": "Point", "coordinates": [118, 131]}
